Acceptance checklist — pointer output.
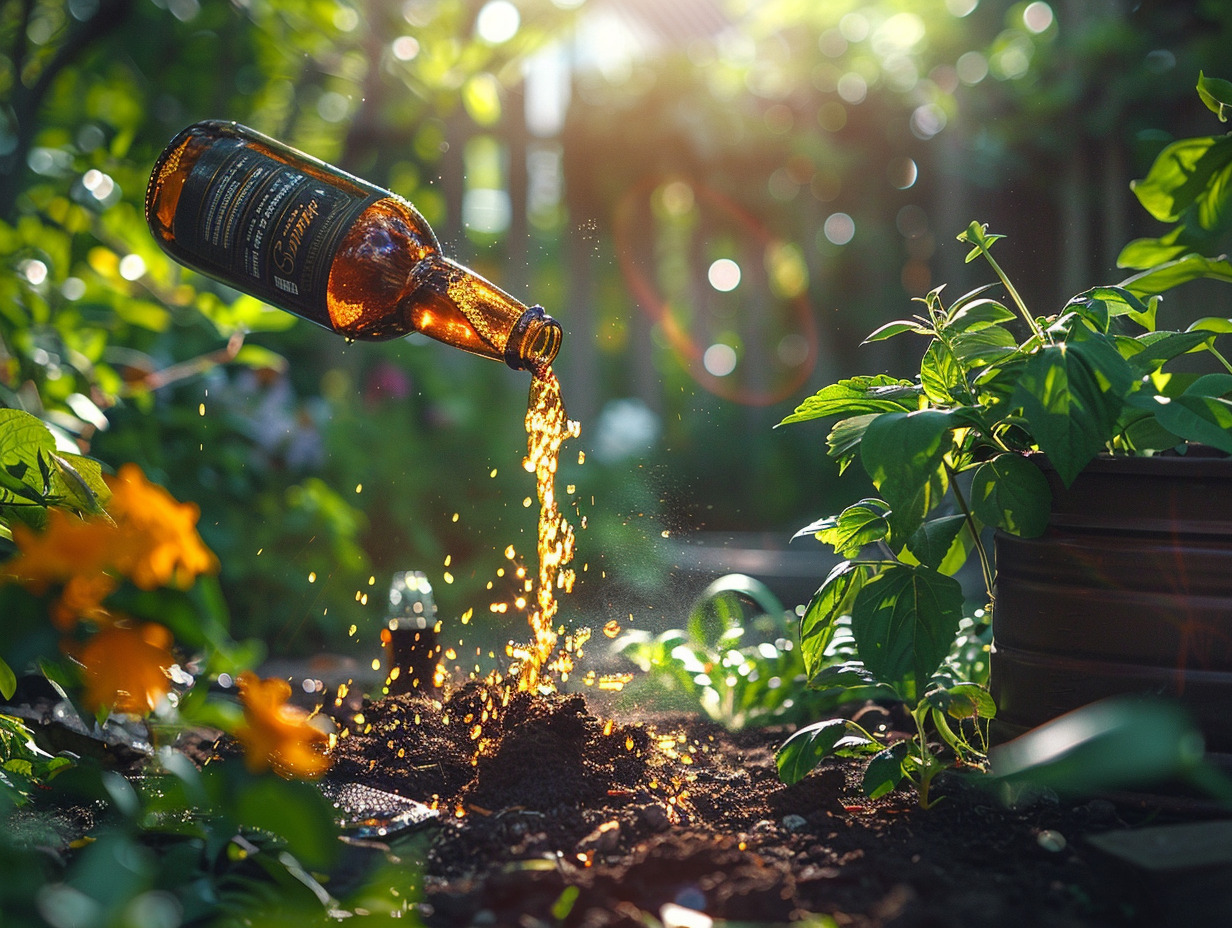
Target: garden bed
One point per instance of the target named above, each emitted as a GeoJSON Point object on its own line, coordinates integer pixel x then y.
{"type": "Point", "coordinates": [571, 818]}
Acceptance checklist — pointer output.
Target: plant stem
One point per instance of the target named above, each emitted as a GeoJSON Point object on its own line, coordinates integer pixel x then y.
{"type": "Point", "coordinates": [1222, 360]}
{"type": "Point", "coordinates": [1013, 291]}
{"type": "Point", "coordinates": [985, 563]}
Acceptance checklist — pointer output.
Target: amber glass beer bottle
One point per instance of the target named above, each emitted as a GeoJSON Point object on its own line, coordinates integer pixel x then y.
{"type": "Point", "coordinates": [315, 241]}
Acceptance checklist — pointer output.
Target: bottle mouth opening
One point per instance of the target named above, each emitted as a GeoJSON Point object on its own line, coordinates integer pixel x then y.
{"type": "Point", "coordinates": [534, 341]}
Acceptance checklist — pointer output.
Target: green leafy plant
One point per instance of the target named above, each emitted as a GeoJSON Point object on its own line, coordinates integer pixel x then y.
{"type": "Point", "coordinates": [956, 450]}
{"type": "Point", "coordinates": [735, 658]}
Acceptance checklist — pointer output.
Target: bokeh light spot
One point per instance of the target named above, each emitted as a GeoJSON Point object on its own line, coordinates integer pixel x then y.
{"type": "Point", "coordinates": [852, 87]}
{"type": "Point", "coordinates": [498, 22]}
{"type": "Point", "coordinates": [405, 47]}
{"type": "Point", "coordinates": [927, 120]}
{"type": "Point", "coordinates": [132, 267]}
{"type": "Point", "coordinates": [719, 360]}
{"type": "Point", "coordinates": [972, 67]}
{"type": "Point", "coordinates": [724, 275]}
{"type": "Point", "coordinates": [839, 228]}
{"type": "Point", "coordinates": [35, 271]}
{"type": "Point", "coordinates": [1037, 16]}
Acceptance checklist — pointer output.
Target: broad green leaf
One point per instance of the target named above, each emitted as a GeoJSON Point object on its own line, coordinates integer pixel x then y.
{"type": "Point", "coordinates": [1204, 419]}
{"type": "Point", "coordinates": [1142, 434]}
{"type": "Point", "coordinates": [8, 680]}
{"type": "Point", "coordinates": [1210, 385]}
{"type": "Point", "coordinates": [845, 438]}
{"type": "Point", "coordinates": [859, 524]}
{"type": "Point", "coordinates": [890, 329]}
{"type": "Point", "coordinates": [1071, 396]}
{"type": "Point", "coordinates": [904, 455]}
{"type": "Point", "coordinates": [1011, 493]}
{"type": "Point", "coordinates": [1216, 93]}
{"type": "Point", "coordinates": [962, 701]}
{"type": "Point", "coordinates": [24, 441]}
{"type": "Point", "coordinates": [1149, 252]}
{"type": "Point", "coordinates": [886, 770]}
{"type": "Point", "coordinates": [1100, 304]}
{"type": "Point", "coordinates": [904, 621]}
{"type": "Point", "coordinates": [859, 395]}
{"type": "Point", "coordinates": [1215, 324]}
{"type": "Point", "coordinates": [977, 314]}
{"type": "Point", "coordinates": [933, 540]}
{"type": "Point", "coordinates": [983, 345]}
{"type": "Point", "coordinates": [941, 374]}
{"type": "Point", "coordinates": [1163, 277]}
{"type": "Point", "coordinates": [820, 620]}
{"type": "Point", "coordinates": [716, 608]}
{"type": "Point", "coordinates": [805, 749]}
{"type": "Point", "coordinates": [78, 481]}
{"type": "Point", "coordinates": [1181, 175]}
{"type": "Point", "coordinates": [845, 676]}
{"type": "Point", "coordinates": [1157, 348]}
{"type": "Point", "coordinates": [243, 314]}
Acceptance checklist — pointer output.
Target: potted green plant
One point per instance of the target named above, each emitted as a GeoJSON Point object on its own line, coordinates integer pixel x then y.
{"type": "Point", "coordinates": [1022, 424]}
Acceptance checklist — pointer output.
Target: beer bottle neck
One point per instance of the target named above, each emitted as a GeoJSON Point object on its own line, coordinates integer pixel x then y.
{"type": "Point", "coordinates": [455, 305]}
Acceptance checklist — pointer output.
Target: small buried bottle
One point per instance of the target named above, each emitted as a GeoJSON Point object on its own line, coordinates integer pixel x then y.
{"type": "Point", "coordinates": [409, 639]}
{"type": "Point", "coordinates": [320, 243]}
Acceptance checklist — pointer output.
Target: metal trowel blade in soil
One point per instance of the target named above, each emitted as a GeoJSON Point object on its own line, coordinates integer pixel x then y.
{"type": "Point", "coordinates": [375, 813]}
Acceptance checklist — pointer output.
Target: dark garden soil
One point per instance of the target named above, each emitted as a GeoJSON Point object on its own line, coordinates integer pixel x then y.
{"type": "Point", "coordinates": [569, 818]}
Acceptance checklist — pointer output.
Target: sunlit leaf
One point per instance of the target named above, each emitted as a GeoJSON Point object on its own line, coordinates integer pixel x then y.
{"type": "Point", "coordinates": [886, 770]}
{"type": "Point", "coordinates": [8, 680]}
{"type": "Point", "coordinates": [24, 440]}
{"type": "Point", "coordinates": [859, 524]}
{"type": "Point", "coordinates": [1157, 348]}
{"type": "Point", "coordinates": [903, 453]}
{"type": "Point", "coordinates": [890, 329]}
{"type": "Point", "coordinates": [1182, 270]}
{"type": "Point", "coordinates": [941, 374]}
{"type": "Point", "coordinates": [904, 620]}
{"type": "Point", "coordinates": [962, 701]}
{"type": "Point", "coordinates": [845, 437]}
{"type": "Point", "coordinates": [1181, 176]}
{"type": "Point", "coordinates": [1216, 93]}
{"type": "Point", "coordinates": [805, 749]}
{"type": "Point", "coordinates": [79, 481]}
{"type": "Point", "coordinates": [879, 393]}
{"type": "Point", "coordinates": [1205, 419]}
{"type": "Point", "coordinates": [820, 620]}
{"type": "Point", "coordinates": [1011, 493]}
{"type": "Point", "coordinates": [933, 540]}
{"type": "Point", "coordinates": [1071, 398]}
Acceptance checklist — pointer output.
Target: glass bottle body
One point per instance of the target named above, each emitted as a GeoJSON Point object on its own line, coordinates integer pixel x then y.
{"type": "Point", "coordinates": [325, 245]}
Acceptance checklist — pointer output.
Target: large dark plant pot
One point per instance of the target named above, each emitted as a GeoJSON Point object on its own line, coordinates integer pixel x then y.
{"type": "Point", "coordinates": [1129, 591]}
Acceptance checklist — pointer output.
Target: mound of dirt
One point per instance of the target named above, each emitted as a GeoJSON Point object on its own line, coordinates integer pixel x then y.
{"type": "Point", "coordinates": [544, 803]}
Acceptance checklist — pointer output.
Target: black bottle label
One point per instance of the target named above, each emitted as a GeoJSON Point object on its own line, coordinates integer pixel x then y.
{"type": "Point", "coordinates": [265, 227]}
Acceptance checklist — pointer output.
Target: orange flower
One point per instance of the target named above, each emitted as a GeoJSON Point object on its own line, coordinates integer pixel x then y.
{"type": "Point", "coordinates": [278, 735]}
{"type": "Point", "coordinates": [158, 540]}
{"type": "Point", "coordinates": [153, 541]}
{"type": "Point", "coordinates": [68, 547]}
{"type": "Point", "coordinates": [125, 668]}
{"type": "Point", "coordinates": [82, 598]}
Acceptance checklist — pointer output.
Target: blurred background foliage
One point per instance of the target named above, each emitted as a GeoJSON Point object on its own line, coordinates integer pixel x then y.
{"type": "Point", "coordinates": [718, 198]}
